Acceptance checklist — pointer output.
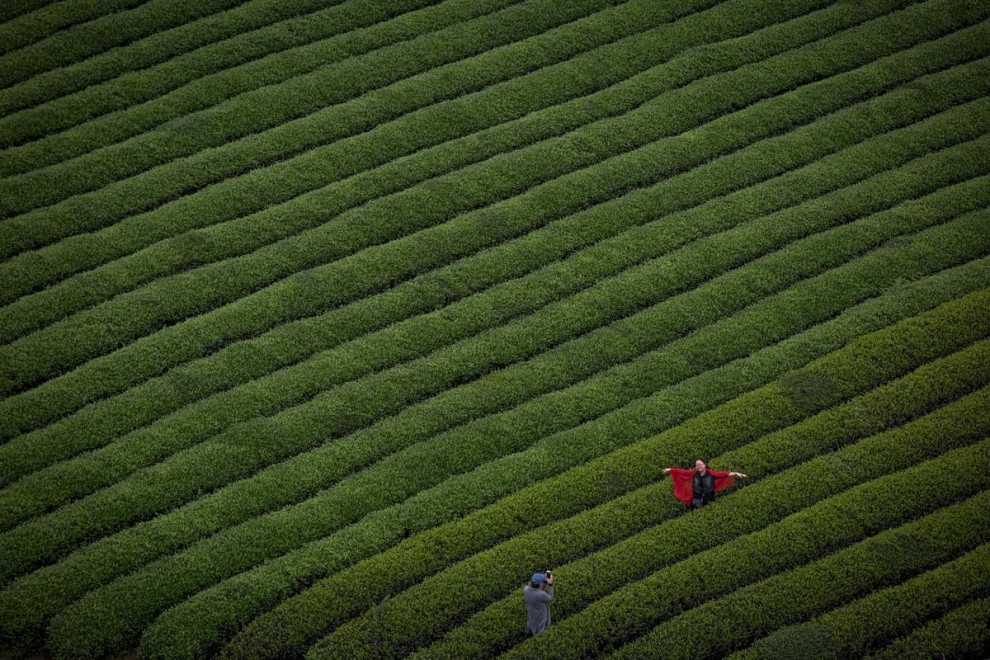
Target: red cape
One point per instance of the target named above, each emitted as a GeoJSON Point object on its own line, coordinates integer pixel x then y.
{"type": "Point", "coordinates": [683, 488]}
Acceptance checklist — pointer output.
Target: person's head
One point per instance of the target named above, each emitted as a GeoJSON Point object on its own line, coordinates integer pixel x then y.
{"type": "Point", "coordinates": [538, 580]}
{"type": "Point", "coordinates": [701, 465]}
{"type": "Point", "coordinates": [938, 655]}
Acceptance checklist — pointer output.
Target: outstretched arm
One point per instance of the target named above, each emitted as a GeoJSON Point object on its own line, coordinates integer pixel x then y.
{"type": "Point", "coordinates": [722, 474]}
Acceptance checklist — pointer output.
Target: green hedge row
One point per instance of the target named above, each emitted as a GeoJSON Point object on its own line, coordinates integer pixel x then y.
{"type": "Point", "coordinates": [428, 127]}
{"type": "Point", "coordinates": [496, 628]}
{"type": "Point", "coordinates": [496, 570]}
{"type": "Point", "coordinates": [153, 66]}
{"type": "Point", "coordinates": [219, 611]}
{"type": "Point", "coordinates": [27, 21]}
{"type": "Point", "coordinates": [293, 342]}
{"type": "Point", "coordinates": [11, 10]}
{"type": "Point", "coordinates": [72, 479]}
{"type": "Point", "coordinates": [863, 626]}
{"type": "Point", "coordinates": [238, 277]}
{"type": "Point", "coordinates": [102, 33]}
{"type": "Point", "coordinates": [296, 341]}
{"type": "Point", "coordinates": [962, 633]}
{"type": "Point", "coordinates": [402, 77]}
{"type": "Point", "coordinates": [297, 73]}
{"type": "Point", "coordinates": [275, 69]}
{"type": "Point", "coordinates": [14, 8]}
{"type": "Point", "coordinates": [270, 535]}
{"type": "Point", "coordinates": [397, 627]}
{"type": "Point", "coordinates": [733, 621]}
{"type": "Point", "coordinates": [514, 102]}
{"type": "Point", "coordinates": [607, 258]}
{"type": "Point", "coordinates": [247, 447]}
{"type": "Point", "coordinates": [135, 313]}
{"type": "Point", "coordinates": [781, 551]}
{"type": "Point", "coordinates": [203, 248]}
{"type": "Point", "coordinates": [193, 628]}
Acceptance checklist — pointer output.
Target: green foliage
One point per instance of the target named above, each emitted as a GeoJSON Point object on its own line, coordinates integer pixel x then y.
{"type": "Point", "coordinates": [890, 557]}
{"type": "Point", "coordinates": [276, 633]}
{"type": "Point", "coordinates": [962, 633]}
{"type": "Point", "coordinates": [78, 477]}
{"type": "Point", "coordinates": [496, 627]}
{"type": "Point", "coordinates": [147, 592]}
{"type": "Point", "coordinates": [114, 372]}
{"type": "Point", "coordinates": [155, 65]}
{"type": "Point", "coordinates": [860, 627]}
{"type": "Point", "coordinates": [294, 341]}
{"type": "Point", "coordinates": [48, 353]}
{"type": "Point", "coordinates": [398, 630]}
{"type": "Point", "coordinates": [25, 21]}
{"type": "Point", "coordinates": [623, 472]}
{"type": "Point", "coordinates": [510, 115]}
{"type": "Point", "coordinates": [805, 641]}
{"type": "Point", "coordinates": [247, 447]}
{"type": "Point", "coordinates": [84, 34]}
{"type": "Point", "coordinates": [324, 323]}
{"type": "Point", "coordinates": [807, 390]}
{"type": "Point", "coordinates": [470, 34]}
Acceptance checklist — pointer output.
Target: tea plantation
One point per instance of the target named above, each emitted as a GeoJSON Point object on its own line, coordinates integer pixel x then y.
{"type": "Point", "coordinates": [325, 323]}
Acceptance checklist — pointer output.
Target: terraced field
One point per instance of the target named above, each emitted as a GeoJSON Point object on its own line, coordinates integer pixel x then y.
{"type": "Point", "coordinates": [325, 323]}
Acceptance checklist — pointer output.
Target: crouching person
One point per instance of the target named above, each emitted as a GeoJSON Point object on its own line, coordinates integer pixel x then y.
{"type": "Point", "coordinates": [538, 594]}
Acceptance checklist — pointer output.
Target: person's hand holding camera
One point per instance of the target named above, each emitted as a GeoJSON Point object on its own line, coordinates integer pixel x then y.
{"type": "Point", "coordinates": [549, 577]}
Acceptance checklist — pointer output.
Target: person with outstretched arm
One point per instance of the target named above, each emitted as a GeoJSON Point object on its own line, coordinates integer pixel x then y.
{"type": "Point", "coordinates": [538, 594]}
{"type": "Point", "coordinates": [697, 487]}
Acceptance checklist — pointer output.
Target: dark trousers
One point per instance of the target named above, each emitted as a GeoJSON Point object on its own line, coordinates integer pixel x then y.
{"type": "Point", "coordinates": [698, 502]}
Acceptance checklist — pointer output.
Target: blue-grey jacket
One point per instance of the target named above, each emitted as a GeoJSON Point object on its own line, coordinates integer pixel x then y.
{"type": "Point", "coordinates": [537, 608]}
